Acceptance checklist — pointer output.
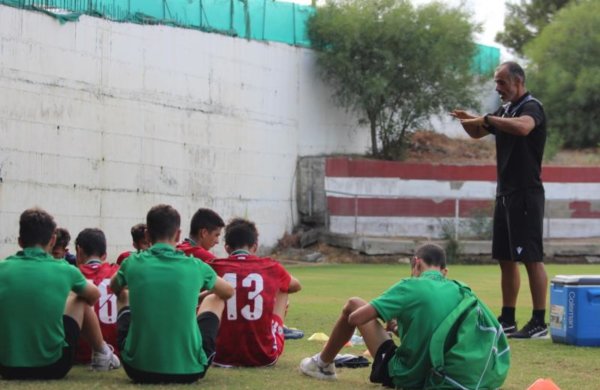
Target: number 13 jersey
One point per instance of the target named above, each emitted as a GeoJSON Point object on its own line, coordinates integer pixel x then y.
{"type": "Point", "coordinates": [250, 333]}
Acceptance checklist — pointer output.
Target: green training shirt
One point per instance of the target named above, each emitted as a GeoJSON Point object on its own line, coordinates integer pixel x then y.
{"type": "Point", "coordinates": [33, 291]}
{"type": "Point", "coordinates": [419, 305]}
{"type": "Point", "coordinates": [163, 295]}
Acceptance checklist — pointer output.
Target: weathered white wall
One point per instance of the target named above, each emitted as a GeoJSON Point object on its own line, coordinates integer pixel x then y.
{"type": "Point", "coordinates": [99, 121]}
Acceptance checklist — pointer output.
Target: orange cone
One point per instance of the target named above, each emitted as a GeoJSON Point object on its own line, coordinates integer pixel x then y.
{"type": "Point", "coordinates": [543, 384]}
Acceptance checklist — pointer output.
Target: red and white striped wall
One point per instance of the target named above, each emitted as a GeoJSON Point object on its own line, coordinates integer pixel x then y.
{"type": "Point", "coordinates": [383, 198]}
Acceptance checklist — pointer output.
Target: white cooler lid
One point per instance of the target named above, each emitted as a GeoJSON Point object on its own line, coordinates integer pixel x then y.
{"type": "Point", "coordinates": [577, 279]}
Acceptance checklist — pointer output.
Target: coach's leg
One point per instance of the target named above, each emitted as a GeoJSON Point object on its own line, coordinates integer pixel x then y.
{"type": "Point", "coordinates": [538, 283]}
{"type": "Point", "coordinates": [510, 281]}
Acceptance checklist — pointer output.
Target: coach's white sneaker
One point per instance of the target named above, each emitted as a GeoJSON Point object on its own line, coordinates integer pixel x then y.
{"type": "Point", "coordinates": [106, 360]}
{"type": "Point", "coordinates": [310, 366]}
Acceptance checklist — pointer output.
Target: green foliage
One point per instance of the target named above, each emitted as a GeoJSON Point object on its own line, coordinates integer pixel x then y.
{"type": "Point", "coordinates": [452, 244]}
{"type": "Point", "coordinates": [554, 143]}
{"type": "Point", "coordinates": [565, 73]}
{"type": "Point", "coordinates": [394, 63]}
{"type": "Point", "coordinates": [525, 20]}
{"type": "Point", "coordinates": [480, 222]}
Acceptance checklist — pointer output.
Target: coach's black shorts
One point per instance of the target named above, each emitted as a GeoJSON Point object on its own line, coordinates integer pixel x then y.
{"type": "Point", "coordinates": [518, 226]}
{"type": "Point", "coordinates": [56, 370]}
{"type": "Point", "coordinates": [379, 371]}
{"type": "Point", "coordinates": [208, 323]}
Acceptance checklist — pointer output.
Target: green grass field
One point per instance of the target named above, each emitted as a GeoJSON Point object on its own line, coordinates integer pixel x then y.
{"type": "Point", "coordinates": [315, 308]}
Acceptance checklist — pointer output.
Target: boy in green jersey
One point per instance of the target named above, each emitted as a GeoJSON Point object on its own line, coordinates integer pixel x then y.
{"type": "Point", "coordinates": [421, 306]}
{"type": "Point", "coordinates": [44, 306]}
{"type": "Point", "coordinates": [161, 336]}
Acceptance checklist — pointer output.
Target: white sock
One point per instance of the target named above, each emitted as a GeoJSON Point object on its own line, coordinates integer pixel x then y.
{"type": "Point", "coordinates": [105, 349]}
{"type": "Point", "coordinates": [320, 362]}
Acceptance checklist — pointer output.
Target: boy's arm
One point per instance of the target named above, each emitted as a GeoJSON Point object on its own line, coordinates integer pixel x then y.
{"type": "Point", "coordinates": [115, 285]}
{"type": "Point", "coordinates": [294, 286]}
{"type": "Point", "coordinates": [90, 293]}
{"type": "Point", "coordinates": [222, 289]}
{"type": "Point", "coordinates": [362, 315]}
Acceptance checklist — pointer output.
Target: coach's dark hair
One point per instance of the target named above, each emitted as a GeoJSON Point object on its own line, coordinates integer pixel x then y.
{"type": "Point", "coordinates": [36, 227]}
{"type": "Point", "coordinates": [138, 232]}
{"type": "Point", "coordinates": [240, 233]}
{"type": "Point", "coordinates": [62, 237]}
{"type": "Point", "coordinates": [205, 219]}
{"type": "Point", "coordinates": [92, 241]}
{"type": "Point", "coordinates": [433, 255]}
{"type": "Point", "coordinates": [514, 70]}
{"type": "Point", "coordinates": [162, 222]}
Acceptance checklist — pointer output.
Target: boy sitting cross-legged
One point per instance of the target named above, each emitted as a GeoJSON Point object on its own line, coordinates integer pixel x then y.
{"type": "Point", "coordinates": [161, 337]}
{"type": "Point", "coordinates": [251, 331]}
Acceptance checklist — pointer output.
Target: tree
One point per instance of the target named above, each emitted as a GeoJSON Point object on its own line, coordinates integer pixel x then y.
{"type": "Point", "coordinates": [565, 73]}
{"type": "Point", "coordinates": [524, 21]}
{"type": "Point", "coordinates": [393, 63]}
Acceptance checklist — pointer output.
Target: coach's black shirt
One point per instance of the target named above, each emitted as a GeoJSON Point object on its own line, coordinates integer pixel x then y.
{"type": "Point", "coordinates": [519, 159]}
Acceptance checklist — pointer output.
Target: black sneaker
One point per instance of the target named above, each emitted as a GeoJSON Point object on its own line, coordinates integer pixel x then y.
{"type": "Point", "coordinates": [292, 334]}
{"type": "Point", "coordinates": [533, 330]}
{"type": "Point", "coordinates": [508, 327]}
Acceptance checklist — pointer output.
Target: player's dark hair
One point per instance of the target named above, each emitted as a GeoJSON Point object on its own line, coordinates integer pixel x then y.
{"type": "Point", "coordinates": [433, 255]}
{"type": "Point", "coordinates": [162, 222]}
{"type": "Point", "coordinates": [205, 219]}
{"type": "Point", "coordinates": [138, 232]}
{"type": "Point", "coordinates": [240, 233]}
{"type": "Point", "coordinates": [92, 241]}
{"type": "Point", "coordinates": [62, 237]}
{"type": "Point", "coordinates": [514, 70]}
{"type": "Point", "coordinates": [36, 227]}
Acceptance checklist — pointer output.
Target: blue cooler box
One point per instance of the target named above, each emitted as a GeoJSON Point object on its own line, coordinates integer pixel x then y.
{"type": "Point", "coordinates": [575, 309]}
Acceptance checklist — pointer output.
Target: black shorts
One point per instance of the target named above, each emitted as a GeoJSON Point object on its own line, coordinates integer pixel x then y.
{"type": "Point", "coordinates": [56, 370]}
{"type": "Point", "coordinates": [379, 371]}
{"type": "Point", "coordinates": [208, 323]}
{"type": "Point", "coordinates": [518, 226]}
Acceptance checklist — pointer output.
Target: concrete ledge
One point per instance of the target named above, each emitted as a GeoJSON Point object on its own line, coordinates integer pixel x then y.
{"type": "Point", "coordinates": [587, 249]}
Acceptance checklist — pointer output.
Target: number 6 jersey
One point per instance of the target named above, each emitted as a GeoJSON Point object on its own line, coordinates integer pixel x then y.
{"type": "Point", "coordinates": [100, 273]}
{"type": "Point", "coordinates": [250, 333]}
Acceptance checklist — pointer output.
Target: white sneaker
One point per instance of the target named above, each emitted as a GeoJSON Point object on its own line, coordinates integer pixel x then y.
{"type": "Point", "coordinates": [105, 361]}
{"type": "Point", "coordinates": [310, 366]}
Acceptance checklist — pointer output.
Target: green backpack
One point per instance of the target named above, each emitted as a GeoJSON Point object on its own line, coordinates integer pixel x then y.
{"type": "Point", "coordinates": [468, 350]}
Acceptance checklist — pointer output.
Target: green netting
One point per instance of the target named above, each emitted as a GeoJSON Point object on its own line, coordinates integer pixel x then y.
{"type": "Point", "coordinates": [267, 20]}
{"type": "Point", "coordinates": [487, 58]}
{"type": "Point", "coordinates": [264, 20]}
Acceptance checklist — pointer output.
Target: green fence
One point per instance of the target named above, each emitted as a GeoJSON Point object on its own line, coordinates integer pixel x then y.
{"type": "Point", "coordinates": [263, 20]}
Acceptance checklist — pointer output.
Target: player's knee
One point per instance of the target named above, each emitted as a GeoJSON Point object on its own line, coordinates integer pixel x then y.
{"type": "Point", "coordinates": [352, 304]}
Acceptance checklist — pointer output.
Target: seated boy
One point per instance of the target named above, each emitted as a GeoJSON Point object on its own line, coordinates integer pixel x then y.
{"type": "Point", "coordinates": [90, 247]}
{"type": "Point", "coordinates": [205, 230]}
{"type": "Point", "coordinates": [160, 338]}
{"type": "Point", "coordinates": [140, 243]}
{"type": "Point", "coordinates": [251, 331]}
{"type": "Point", "coordinates": [61, 250]}
{"type": "Point", "coordinates": [44, 306]}
{"type": "Point", "coordinates": [424, 307]}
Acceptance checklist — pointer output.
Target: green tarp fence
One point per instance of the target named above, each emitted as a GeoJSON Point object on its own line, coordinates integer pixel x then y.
{"type": "Point", "coordinates": [263, 20]}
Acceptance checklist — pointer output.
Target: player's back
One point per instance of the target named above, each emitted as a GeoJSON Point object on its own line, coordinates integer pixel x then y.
{"type": "Point", "coordinates": [100, 274]}
{"type": "Point", "coordinates": [250, 334]}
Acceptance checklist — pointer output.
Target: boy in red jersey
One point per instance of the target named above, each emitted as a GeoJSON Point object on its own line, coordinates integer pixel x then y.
{"type": "Point", "coordinates": [140, 242]}
{"type": "Point", "coordinates": [90, 246]}
{"type": "Point", "coordinates": [205, 230]}
{"type": "Point", "coordinates": [251, 331]}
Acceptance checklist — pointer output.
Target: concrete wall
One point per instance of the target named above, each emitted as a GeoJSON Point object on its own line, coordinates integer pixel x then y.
{"type": "Point", "coordinates": [99, 121]}
{"type": "Point", "coordinates": [391, 199]}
